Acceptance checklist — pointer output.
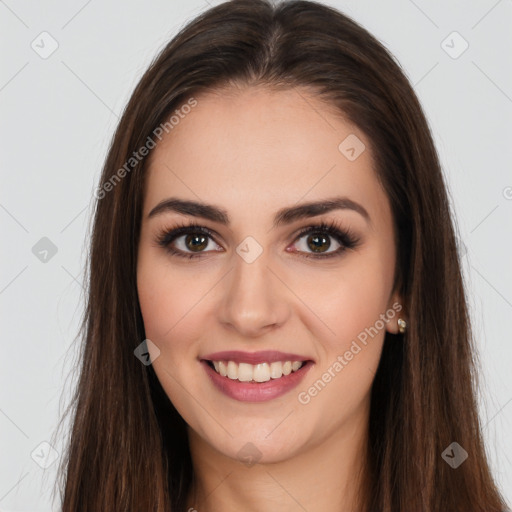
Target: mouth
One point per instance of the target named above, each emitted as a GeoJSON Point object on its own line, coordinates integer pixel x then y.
{"type": "Point", "coordinates": [255, 376]}
{"type": "Point", "coordinates": [259, 382]}
{"type": "Point", "coordinates": [255, 373]}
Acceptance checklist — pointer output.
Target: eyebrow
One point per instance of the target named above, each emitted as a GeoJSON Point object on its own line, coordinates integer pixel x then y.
{"type": "Point", "coordinates": [284, 216]}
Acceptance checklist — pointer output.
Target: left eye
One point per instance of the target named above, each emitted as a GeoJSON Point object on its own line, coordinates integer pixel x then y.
{"type": "Point", "coordinates": [317, 242]}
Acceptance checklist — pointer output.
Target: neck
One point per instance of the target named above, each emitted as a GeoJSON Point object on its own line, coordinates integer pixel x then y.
{"type": "Point", "coordinates": [324, 477]}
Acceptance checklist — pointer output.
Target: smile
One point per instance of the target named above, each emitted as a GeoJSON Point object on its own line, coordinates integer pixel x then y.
{"type": "Point", "coordinates": [259, 384]}
{"type": "Point", "coordinates": [262, 372]}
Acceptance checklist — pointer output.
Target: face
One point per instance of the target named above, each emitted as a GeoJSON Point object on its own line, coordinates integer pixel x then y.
{"type": "Point", "coordinates": [252, 278]}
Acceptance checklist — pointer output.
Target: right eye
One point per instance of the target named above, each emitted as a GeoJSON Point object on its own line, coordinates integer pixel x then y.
{"type": "Point", "coordinates": [191, 240]}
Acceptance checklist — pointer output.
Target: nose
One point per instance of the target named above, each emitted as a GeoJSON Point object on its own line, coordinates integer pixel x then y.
{"type": "Point", "coordinates": [254, 299]}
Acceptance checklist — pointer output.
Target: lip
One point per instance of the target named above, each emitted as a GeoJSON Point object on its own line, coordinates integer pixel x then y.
{"type": "Point", "coordinates": [256, 391]}
{"type": "Point", "coordinates": [264, 356]}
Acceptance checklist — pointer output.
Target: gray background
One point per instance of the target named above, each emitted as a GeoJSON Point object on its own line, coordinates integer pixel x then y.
{"type": "Point", "coordinates": [58, 114]}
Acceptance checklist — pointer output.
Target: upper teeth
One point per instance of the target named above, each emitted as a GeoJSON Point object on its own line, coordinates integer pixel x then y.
{"type": "Point", "coordinates": [261, 372]}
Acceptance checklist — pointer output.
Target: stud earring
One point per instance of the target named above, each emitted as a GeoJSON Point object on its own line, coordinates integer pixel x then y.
{"type": "Point", "coordinates": [402, 325]}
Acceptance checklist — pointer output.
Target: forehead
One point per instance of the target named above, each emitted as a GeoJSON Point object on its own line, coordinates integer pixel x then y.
{"type": "Point", "coordinates": [256, 147]}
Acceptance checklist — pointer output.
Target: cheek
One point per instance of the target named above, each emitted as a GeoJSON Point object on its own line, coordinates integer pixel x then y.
{"type": "Point", "coordinates": [170, 304]}
{"type": "Point", "coordinates": [349, 303]}
{"type": "Point", "coordinates": [338, 388]}
{"type": "Point", "coordinates": [347, 300]}
{"type": "Point", "coordinates": [157, 304]}
{"type": "Point", "coordinates": [167, 296]}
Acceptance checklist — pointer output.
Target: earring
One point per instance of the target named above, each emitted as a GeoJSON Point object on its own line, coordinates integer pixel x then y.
{"type": "Point", "coordinates": [402, 325]}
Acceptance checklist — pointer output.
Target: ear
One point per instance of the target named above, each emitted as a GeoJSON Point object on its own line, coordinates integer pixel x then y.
{"type": "Point", "coordinates": [394, 311]}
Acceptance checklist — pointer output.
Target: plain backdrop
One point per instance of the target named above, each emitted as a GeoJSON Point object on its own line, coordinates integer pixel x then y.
{"type": "Point", "coordinates": [67, 71]}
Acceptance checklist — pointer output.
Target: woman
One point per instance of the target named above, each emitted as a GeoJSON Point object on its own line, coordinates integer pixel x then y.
{"type": "Point", "coordinates": [276, 315]}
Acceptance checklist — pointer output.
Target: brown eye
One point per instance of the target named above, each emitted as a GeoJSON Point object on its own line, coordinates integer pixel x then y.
{"type": "Point", "coordinates": [196, 242]}
{"type": "Point", "coordinates": [192, 241]}
{"type": "Point", "coordinates": [318, 243]}
{"type": "Point", "coordinates": [188, 241]}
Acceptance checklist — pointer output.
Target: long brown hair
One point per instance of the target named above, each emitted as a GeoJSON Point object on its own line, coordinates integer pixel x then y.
{"type": "Point", "coordinates": [128, 447]}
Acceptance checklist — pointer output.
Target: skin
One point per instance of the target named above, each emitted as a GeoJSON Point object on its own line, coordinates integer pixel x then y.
{"type": "Point", "coordinates": [253, 151]}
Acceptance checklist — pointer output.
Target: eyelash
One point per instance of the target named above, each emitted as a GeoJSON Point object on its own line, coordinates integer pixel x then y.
{"type": "Point", "coordinates": [346, 238]}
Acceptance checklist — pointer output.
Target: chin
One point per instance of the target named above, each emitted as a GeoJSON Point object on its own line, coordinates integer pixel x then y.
{"type": "Point", "coordinates": [255, 449]}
